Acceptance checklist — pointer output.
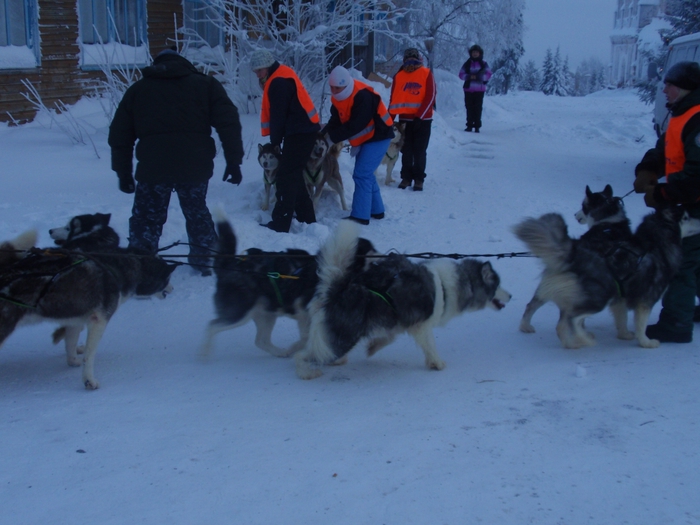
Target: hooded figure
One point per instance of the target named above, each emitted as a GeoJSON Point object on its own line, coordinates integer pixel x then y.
{"type": "Point", "coordinates": [171, 112]}
{"type": "Point", "coordinates": [476, 73]}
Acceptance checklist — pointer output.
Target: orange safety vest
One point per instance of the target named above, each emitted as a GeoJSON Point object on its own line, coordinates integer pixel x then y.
{"type": "Point", "coordinates": [304, 99]}
{"type": "Point", "coordinates": [407, 96]}
{"type": "Point", "coordinates": [344, 108]}
{"type": "Point", "coordinates": [673, 148]}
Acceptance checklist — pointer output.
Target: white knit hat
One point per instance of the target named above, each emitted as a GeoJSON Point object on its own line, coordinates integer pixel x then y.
{"type": "Point", "coordinates": [261, 59]}
{"type": "Point", "coordinates": [340, 77]}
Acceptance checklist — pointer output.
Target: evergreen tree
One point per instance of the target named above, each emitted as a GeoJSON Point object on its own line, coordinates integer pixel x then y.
{"type": "Point", "coordinates": [547, 73]}
{"type": "Point", "coordinates": [685, 17]}
{"type": "Point", "coordinates": [530, 77]}
{"type": "Point", "coordinates": [505, 70]}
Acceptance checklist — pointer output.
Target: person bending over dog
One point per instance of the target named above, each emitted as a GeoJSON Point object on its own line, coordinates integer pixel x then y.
{"type": "Point", "coordinates": [288, 114]}
{"type": "Point", "coordinates": [171, 111]}
{"type": "Point", "coordinates": [677, 157]}
{"type": "Point", "coordinates": [359, 116]}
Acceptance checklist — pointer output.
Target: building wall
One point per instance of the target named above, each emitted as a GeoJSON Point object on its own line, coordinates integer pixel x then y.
{"type": "Point", "coordinates": [59, 76]}
{"type": "Point", "coordinates": [629, 66]}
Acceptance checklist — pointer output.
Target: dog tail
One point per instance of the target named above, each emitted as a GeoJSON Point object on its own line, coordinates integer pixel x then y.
{"type": "Point", "coordinates": [547, 238]}
{"type": "Point", "coordinates": [14, 250]}
{"type": "Point", "coordinates": [227, 243]}
{"type": "Point", "coordinates": [338, 254]}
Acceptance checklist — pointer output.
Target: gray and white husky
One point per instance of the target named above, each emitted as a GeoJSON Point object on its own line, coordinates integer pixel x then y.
{"type": "Point", "coordinates": [262, 286]}
{"type": "Point", "coordinates": [269, 160]}
{"type": "Point", "coordinates": [391, 296]}
{"type": "Point", "coordinates": [77, 288]}
{"type": "Point", "coordinates": [608, 266]}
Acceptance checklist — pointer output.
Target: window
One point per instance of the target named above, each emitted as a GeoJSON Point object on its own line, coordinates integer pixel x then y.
{"type": "Point", "coordinates": [113, 31]}
{"type": "Point", "coordinates": [18, 24]}
{"type": "Point", "coordinates": [122, 21]}
{"type": "Point", "coordinates": [200, 25]}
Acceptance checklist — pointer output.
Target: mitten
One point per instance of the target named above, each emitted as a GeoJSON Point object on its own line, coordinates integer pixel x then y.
{"type": "Point", "coordinates": [126, 182]}
{"type": "Point", "coordinates": [643, 180]}
{"type": "Point", "coordinates": [233, 174]}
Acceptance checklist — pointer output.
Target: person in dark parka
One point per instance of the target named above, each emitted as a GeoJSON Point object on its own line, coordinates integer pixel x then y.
{"type": "Point", "coordinates": [170, 112]}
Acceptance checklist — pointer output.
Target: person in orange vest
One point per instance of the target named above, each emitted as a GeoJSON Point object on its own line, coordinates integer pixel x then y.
{"type": "Point", "coordinates": [413, 94]}
{"type": "Point", "coordinates": [359, 116]}
{"type": "Point", "coordinates": [289, 118]}
{"type": "Point", "coordinates": [677, 157]}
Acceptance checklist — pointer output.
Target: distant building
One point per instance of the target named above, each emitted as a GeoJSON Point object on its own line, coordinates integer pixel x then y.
{"type": "Point", "coordinates": [636, 28]}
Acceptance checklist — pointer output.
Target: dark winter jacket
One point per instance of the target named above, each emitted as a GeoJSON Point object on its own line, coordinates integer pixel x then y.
{"type": "Point", "coordinates": [364, 109]}
{"type": "Point", "coordinates": [170, 112]}
{"type": "Point", "coordinates": [480, 69]}
{"type": "Point", "coordinates": [287, 116]}
{"type": "Point", "coordinates": [682, 187]}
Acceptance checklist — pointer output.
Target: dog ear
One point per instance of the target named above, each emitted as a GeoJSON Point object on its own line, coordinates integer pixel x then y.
{"type": "Point", "coordinates": [488, 274]}
{"type": "Point", "coordinates": [104, 218]}
{"type": "Point", "coordinates": [608, 191]}
{"type": "Point", "coordinates": [588, 191]}
{"type": "Point", "coordinates": [260, 148]}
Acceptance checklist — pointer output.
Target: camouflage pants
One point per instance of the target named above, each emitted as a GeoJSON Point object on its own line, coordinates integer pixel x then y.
{"type": "Point", "coordinates": [150, 211]}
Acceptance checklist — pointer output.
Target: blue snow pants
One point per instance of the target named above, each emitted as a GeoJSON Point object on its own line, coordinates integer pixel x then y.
{"type": "Point", "coordinates": [367, 199]}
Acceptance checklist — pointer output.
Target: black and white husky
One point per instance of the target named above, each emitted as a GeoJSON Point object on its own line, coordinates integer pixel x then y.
{"type": "Point", "coordinates": [76, 288]}
{"type": "Point", "coordinates": [393, 295]}
{"type": "Point", "coordinates": [269, 160]}
{"type": "Point", "coordinates": [86, 232]}
{"type": "Point", "coordinates": [607, 266]}
{"type": "Point", "coordinates": [262, 286]}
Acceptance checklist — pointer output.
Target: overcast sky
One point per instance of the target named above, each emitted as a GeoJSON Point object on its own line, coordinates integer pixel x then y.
{"type": "Point", "coordinates": [580, 27]}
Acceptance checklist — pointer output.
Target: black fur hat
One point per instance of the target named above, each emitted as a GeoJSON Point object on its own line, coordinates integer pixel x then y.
{"type": "Point", "coordinates": [476, 47]}
{"type": "Point", "coordinates": [411, 53]}
{"type": "Point", "coordinates": [685, 75]}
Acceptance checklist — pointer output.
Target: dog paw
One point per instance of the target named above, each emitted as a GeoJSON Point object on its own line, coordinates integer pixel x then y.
{"type": "Point", "coordinates": [649, 343]}
{"type": "Point", "coordinates": [91, 384]}
{"type": "Point", "coordinates": [310, 373]}
{"type": "Point", "coordinates": [625, 336]}
{"type": "Point", "coordinates": [435, 365]}
{"type": "Point", "coordinates": [74, 360]}
{"type": "Point", "coordinates": [340, 361]}
{"type": "Point", "coordinates": [527, 328]}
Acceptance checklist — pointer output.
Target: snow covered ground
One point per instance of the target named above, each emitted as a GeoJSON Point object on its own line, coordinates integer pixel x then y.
{"type": "Point", "coordinates": [515, 430]}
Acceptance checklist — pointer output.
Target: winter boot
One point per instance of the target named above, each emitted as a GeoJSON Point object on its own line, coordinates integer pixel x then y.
{"type": "Point", "coordinates": [665, 335]}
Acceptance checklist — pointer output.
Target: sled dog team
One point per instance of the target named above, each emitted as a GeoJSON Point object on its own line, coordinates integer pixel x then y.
{"type": "Point", "coordinates": [348, 292]}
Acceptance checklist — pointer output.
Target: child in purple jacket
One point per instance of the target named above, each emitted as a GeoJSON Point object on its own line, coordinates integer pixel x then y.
{"type": "Point", "coordinates": [476, 73]}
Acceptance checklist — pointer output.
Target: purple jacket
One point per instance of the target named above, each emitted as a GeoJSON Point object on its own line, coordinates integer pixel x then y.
{"type": "Point", "coordinates": [479, 69]}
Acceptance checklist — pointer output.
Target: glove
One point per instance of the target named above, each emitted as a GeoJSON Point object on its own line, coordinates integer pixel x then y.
{"type": "Point", "coordinates": [649, 197]}
{"type": "Point", "coordinates": [643, 180]}
{"type": "Point", "coordinates": [233, 174]}
{"type": "Point", "coordinates": [354, 151]}
{"type": "Point", "coordinates": [126, 182]}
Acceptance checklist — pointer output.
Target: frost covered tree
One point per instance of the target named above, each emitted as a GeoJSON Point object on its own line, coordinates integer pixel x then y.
{"type": "Point", "coordinates": [530, 77]}
{"type": "Point", "coordinates": [307, 35]}
{"type": "Point", "coordinates": [685, 17]}
{"type": "Point", "coordinates": [450, 27]}
{"type": "Point", "coordinates": [588, 78]}
{"type": "Point", "coordinates": [505, 71]}
{"type": "Point", "coordinates": [553, 75]}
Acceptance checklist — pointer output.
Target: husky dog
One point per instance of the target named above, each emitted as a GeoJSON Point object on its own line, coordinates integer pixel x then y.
{"type": "Point", "coordinates": [322, 168]}
{"type": "Point", "coordinates": [392, 153]}
{"type": "Point", "coordinates": [392, 296]}
{"type": "Point", "coordinates": [604, 267]}
{"type": "Point", "coordinates": [87, 233]}
{"type": "Point", "coordinates": [609, 229]}
{"type": "Point", "coordinates": [263, 286]}
{"type": "Point", "coordinates": [77, 289]}
{"type": "Point", "coordinates": [269, 160]}
{"type": "Point", "coordinates": [16, 249]}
